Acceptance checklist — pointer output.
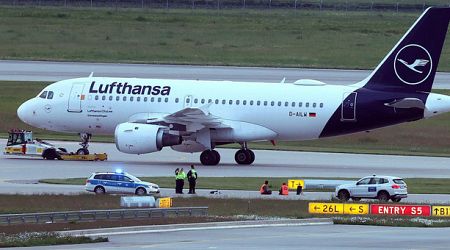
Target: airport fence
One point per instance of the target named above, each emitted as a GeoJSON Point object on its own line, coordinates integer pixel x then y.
{"type": "Point", "coordinates": [329, 5]}
{"type": "Point", "coordinates": [93, 215]}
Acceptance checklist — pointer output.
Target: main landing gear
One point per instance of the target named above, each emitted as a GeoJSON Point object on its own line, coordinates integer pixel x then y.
{"type": "Point", "coordinates": [85, 137]}
{"type": "Point", "coordinates": [243, 156]}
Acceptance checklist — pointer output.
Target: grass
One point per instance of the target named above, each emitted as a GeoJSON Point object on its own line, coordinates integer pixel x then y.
{"type": "Point", "coordinates": [415, 185]}
{"type": "Point", "coordinates": [44, 239]}
{"type": "Point", "coordinates": [323, 39]}
{"type": "Point", "coordinates": [425, 137]}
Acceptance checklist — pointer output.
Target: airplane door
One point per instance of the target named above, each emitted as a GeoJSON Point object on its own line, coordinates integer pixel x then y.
{"type": "Point", "coordinates": [188, 101]}
{"type": "Point", "coordinates": [75, 98]}
{"type": "Point", "coordinates": [348, 112]}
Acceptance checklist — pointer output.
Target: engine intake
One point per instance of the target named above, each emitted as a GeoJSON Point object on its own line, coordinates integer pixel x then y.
{"type": "Point", "coordinates": [136, 138]}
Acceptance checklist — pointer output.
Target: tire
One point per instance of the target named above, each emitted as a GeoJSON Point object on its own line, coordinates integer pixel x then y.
{"type": "Point", "coordinates": [244, 157]}
{"type": "Point", "coordinates": [82, 151]}
{"type": "Point", "coordinates": [383, 196]}
{"type": "Point", "coordinates": [50, 154]}
{"type": "Point", "coordinates": [210, 157]}
{"type": "Point", "coordinates": [356, 198]}
{"type": "Point", "coordinates": [343, 195]}
{"type": "Point", "coordinates": [396, 199]}
{"type": "Point", "coordinates": [141, 191]}
{"type": "Point", "coordinates": [99, 190]}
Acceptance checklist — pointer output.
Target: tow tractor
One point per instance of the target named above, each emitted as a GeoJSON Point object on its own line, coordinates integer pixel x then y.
{"type": "Point", "coordinates": [21, 143]}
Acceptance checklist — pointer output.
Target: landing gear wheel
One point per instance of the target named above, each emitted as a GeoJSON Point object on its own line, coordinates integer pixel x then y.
{"type": "Point", "coordinates": [210, 157]}
{"type": "Point", "coordinates": [244, 157]}
{"type": "Point", "coordinates": [82, 151]}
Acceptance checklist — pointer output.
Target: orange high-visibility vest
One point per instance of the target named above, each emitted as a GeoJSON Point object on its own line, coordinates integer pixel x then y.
{"type": "Point", "coordinates": [261, 190]}
{"type": "Point", "coordinates": [284, 190]}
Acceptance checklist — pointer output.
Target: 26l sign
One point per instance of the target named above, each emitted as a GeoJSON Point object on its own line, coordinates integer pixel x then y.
{"type": "Point", "coordinates": [408, 210]}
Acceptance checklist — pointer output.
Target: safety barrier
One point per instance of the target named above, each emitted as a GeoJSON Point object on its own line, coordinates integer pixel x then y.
{"type": "Point", "coordinates": [93, 215]}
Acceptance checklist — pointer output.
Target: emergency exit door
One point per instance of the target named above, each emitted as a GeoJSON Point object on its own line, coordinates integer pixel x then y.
{"type": "Point", "coordinates": [75, 98]}
{"type": "Point", "coordinates": [348, 111]}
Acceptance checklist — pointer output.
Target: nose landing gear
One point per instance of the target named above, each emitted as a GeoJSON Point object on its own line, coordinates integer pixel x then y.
{"type": "Point", "coordinates": [85, 137]}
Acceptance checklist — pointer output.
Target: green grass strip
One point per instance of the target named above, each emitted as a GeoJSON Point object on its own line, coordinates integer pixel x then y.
{"type": "Point", "coordinates": [44, 239]}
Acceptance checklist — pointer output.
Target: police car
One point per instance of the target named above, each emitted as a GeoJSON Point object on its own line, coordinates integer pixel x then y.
{"type": "Point", "coordinates": [382, 188]}
{"type": "Point", "coordinates": [119, 182]}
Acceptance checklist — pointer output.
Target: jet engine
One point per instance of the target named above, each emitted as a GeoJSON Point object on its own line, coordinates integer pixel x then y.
{"type": "Point", "coordinates": [136, 138]}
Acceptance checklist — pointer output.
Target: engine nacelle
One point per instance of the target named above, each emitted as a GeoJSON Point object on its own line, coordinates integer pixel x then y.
{"type": "Point", "coordinates": [136, 138]}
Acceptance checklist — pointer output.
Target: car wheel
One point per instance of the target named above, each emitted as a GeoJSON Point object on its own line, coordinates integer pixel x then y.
{"type": "Point", "coordinates": [99, 190]}
{"type": "Point", "coordinates": [383, 196]}
{"type": "Point", "coordinates": [356, 198]}
{"type": "Point", "coordinates": [50, 154]}
{"type": "Point", "coordinates": [140, 191]}
{"type": "Point", "coordinates": [396, 199]}
{"type": "Point", "coordinates": [343, 195]}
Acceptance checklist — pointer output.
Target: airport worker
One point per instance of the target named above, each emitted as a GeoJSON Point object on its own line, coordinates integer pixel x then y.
{"type": "Point", "coordinates": [192, 178]}
{"type": "Point", "coordinates": [265, 188]}
{"type": "Point", "coordinates": [177, 183]}
{"type": "Point", "coordinates": [180, 179]}
{"type": "Point", "coordinates": [284, 190]}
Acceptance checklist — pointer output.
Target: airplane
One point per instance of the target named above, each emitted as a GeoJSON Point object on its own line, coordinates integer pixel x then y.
{"type": "Point", "coordinates": [146, 115]}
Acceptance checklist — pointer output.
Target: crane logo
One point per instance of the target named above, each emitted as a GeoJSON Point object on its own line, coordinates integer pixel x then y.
{"type": "Point", "coordinates": [413, 64]}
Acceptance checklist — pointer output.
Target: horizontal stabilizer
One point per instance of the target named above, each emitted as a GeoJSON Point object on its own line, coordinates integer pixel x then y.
{"type": "Point", "coordinates": [407, 103]}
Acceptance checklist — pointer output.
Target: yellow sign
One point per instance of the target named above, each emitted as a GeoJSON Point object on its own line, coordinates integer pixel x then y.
{"type": "Point", "coordinates": [441, 210]}
{"type": "Point", "coordinates": [165, 202]}
{"type": "Point", "coordinates": [325, 208]}
{"type": "Point", "coordinates": [356, 208]}
{"type": "Point", "coordinates": [293, 184]}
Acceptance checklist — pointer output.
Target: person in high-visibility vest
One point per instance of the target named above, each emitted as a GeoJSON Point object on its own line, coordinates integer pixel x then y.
{"type": "Point", "coordinates": [265, 188]}
{"type": "Point", "coordinates": [192, 178]}
{"type": "Point", "coordinates": [284, 190]}
{"type": "Point", "coordinates": [180, 181]}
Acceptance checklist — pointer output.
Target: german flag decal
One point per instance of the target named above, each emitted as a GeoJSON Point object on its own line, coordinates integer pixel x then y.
{"type": "Point", "coordinates": [312, 115]}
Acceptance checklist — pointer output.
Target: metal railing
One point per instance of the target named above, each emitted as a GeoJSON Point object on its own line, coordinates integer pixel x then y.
{"type": "Point", "coordinates": [93, 215]}
{"type": "Point", "coordinates": [333, 5]}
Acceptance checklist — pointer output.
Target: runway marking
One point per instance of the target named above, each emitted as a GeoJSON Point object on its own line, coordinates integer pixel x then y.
{"type": "Point", "coordinates": [207, 228]}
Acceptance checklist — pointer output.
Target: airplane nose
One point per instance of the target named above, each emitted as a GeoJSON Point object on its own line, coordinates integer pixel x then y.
{"type": "Point", "coordinates": [22, 112]}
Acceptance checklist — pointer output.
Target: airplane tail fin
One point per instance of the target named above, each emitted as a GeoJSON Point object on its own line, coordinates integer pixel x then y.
{"type": "Point", "coordinates": [411, 65]}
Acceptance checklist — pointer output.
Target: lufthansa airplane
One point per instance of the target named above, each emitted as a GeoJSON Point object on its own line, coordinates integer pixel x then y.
{"type": "Point", "coordinates": [146, 115]}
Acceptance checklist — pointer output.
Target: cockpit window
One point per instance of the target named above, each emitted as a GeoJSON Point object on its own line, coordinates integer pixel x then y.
{"type": "Point", "coordinates": [50, 95]}
{"type": "Point", "coordinates": [43, 95]}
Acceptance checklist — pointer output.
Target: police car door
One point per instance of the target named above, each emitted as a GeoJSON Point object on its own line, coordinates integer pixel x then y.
{"type": "Point", "coordinates": [125, 185]}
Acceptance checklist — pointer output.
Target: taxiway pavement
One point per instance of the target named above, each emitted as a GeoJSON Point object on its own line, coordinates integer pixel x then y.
{"type": "Point", "coordinates": [13, 70]}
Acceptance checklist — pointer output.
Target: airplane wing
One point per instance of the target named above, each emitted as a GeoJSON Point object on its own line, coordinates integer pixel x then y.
{"type": "Point", "coordinates": [188, 119]}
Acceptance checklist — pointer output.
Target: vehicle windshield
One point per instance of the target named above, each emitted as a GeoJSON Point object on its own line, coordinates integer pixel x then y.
{"type": "Point", "coordinates": [398, 181]}
{"type": "Point", "coordinates": [135, 179]}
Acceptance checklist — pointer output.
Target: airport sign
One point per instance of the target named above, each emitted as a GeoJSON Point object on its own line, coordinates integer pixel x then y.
{"type": "Point", "coordinates": [441, 211]}
{"type": "Point", "coordinates": [355, 208]}
{"type": "Point", "coordinates": [401, 210]}
{"type": "Point", "coordinates": [325, 208]}
{"type": "Point", "coordinates": [164, 202]}
{"type": "Point", "coordinates": [293, 184]}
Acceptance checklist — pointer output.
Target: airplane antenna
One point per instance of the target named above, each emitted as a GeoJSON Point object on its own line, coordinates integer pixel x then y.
{"type": "Point", "coordinates": [91, 75]}
{"type": "Point", "coordinates": [284, 79]}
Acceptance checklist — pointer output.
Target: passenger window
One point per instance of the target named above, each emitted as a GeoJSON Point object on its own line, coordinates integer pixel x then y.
{"type": "Point", "coordinates": [103, 97]}
{"type": "Point", "coordinates": [321, 105]}
{"type": "Point", "coordinates": [43, 95]}
{"type": "Point", "coordinates": [258, 103]}
{"type": "Point", "coordinates": [307, 104]}
{"type": "Point", "coordinates": [363, 181]}
{"type": "Point", "coordinates": [209, 101]}
{"type": "Point", "coordinates": [237, 102]}
{"type": "Point", "coordinates": [244, 102]}
{"type": "Point", "coordinates": [265, 103]}
{"type": "Point", "coordinates": [131, 98]}
{"type": "Point", "coordinates": [251, 103]}
{"type": "Point", "coordinates": [230, 102]}
{"type": "Point", "coordinates": [145, 99]}
{"type": "Point", "coordinates": [223, 101]}
{"type": "Point", "coordinates": [126, 179]}
{"type": "Point", "coordinates": [272, 103]}
{"type": "Point", "coordinates": [216, 102]}
{"type": "Point", "coordinates": [110, 97]}
{"type": "Point", "coordinates": [279, 103]}
{"type": "Point", "coordinates": [117, 98]}
{"type": "Point", "coordinates": [50, 95]}
{"type": "Point", "coordinates": [195, 100]}
{"type": "Point", "coordinates": [124, 99]}
{"type": "Point", "coordinates": [314, 105]}
{"type": "Point", "coordinates": [138, 99]}
{"type": "Point", "coordinates": [203, 101]}
{"type": "Point", "coordinates": [293, 104]}
{"type": "Point", "coordinates": [177, 100]}
{"type": "Point", "coordinates": [166, 100]}
{"type": "Point", "coordinates": [96, 97]}
{"type": "Point", "coordinates": [300, 104]}
{"type": "Point", "coordinates": [152, 99]}
{"type": "Point", "coordinates": [286, 104]}
{"type": "Point", "coordinates": [159, 100]}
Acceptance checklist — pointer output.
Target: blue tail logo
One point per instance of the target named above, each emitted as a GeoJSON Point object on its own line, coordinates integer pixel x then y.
{"type": "Point", "coordinates": [413, 64]}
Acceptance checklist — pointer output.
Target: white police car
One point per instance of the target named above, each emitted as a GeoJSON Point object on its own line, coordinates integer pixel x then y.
{"type": "Point", "coordinates": [382, 188]}
{"type": "Point", "coordinates": [119, 182]}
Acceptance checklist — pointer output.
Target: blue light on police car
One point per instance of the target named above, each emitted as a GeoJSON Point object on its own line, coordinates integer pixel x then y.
{"type": "Point", "coordinates": [119, 171]}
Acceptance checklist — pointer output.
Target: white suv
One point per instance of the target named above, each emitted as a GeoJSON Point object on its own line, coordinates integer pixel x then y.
{"type": "Point", "coordinates": [119, 182]}
{"type": "Point", "coordinates": [373, 187]}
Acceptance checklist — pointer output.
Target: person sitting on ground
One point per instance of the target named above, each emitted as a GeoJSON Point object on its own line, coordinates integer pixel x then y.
{"type": "Point", "coordinates": [284, 190]}
{"type": "Point", "coordinates": [265, 188]}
